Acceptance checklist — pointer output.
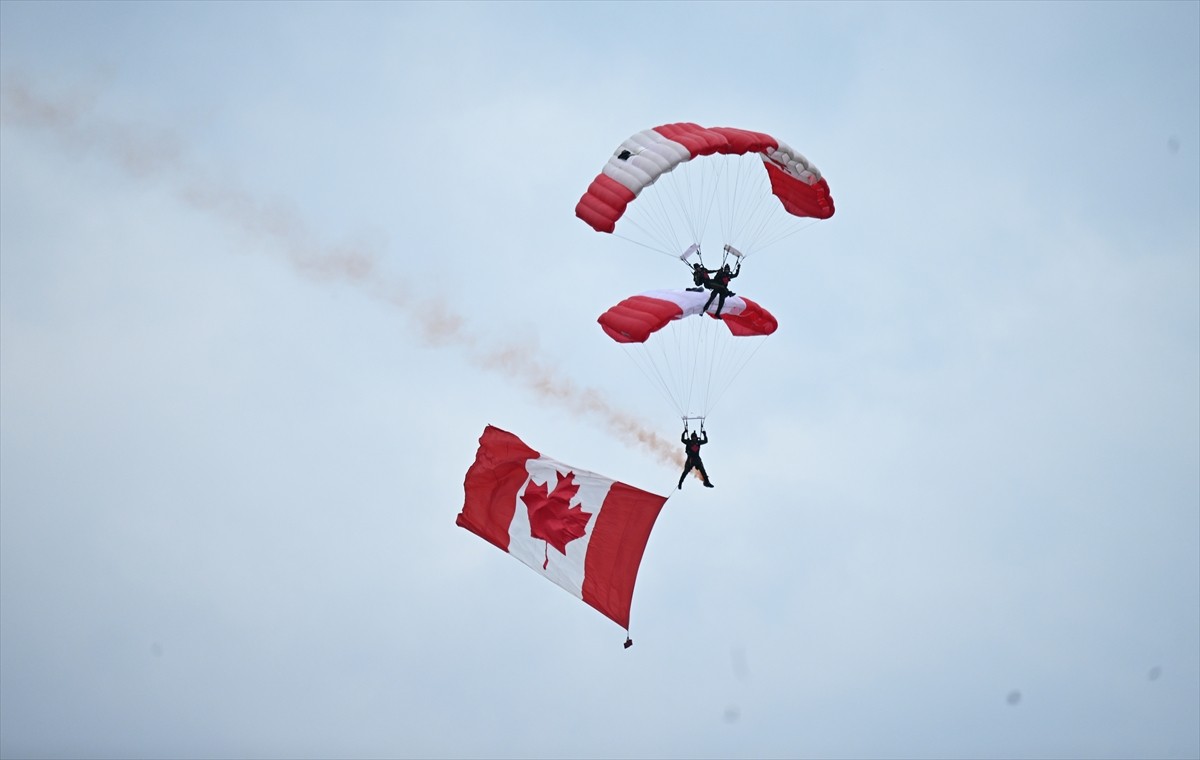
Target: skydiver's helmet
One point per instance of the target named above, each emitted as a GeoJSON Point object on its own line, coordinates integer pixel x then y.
{"type": "Point", "coordinates": [695, 436]}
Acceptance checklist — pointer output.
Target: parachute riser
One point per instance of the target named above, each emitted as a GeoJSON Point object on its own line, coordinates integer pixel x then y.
{"type": "Point", "coordinates": [726, 251]}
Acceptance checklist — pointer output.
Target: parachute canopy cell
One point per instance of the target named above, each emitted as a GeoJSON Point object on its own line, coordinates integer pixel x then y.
{"type": "Point", "coordinates": [636, 318]}
{"type": "Point", "coordinates": [647, 155]}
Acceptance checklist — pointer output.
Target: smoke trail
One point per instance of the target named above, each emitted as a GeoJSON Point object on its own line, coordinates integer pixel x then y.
{"type": "Point", "coordinates": [144, 154]}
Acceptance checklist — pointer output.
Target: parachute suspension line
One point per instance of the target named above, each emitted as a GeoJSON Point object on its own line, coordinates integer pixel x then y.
{"type": "Point", "coordinates": [697, 362]}
{"type": "Point", "coordinates": [725, 360]}
{"type": "Point", "coordinates": [749, 196]}
{"type": "Point", "coordinates": [760, 211]}
{"type": "Point", "coordinates": [693, 364]}
{"type": "Point", "coordinates": [658, 361]}
{"type": "Point", "coordinates": [773, 223]}
{"type": "Point", "coordinates": [724, 209]}
{"type": "Point", "coordinates": [677, 362]}
{"type": "Point", "coordinates": [709, 198]}
{"type": "Point", "coordinates": [703, 365]}
{"type": "Point", "coordinates": [688, 357]}
{"type": "Point", "coordinates": [633, 222]}
{"type": "Point", "coordinates": [683, 354]}
{"type": "Point", "coordinates": [676, 190]}
{"type": "Point", "coordinates": [740, 190]}
{"type": "Point", "coordinates": [749, 215]}
{"type": "Point", "coordinates": [763, 218]}
{"type": "Point", "coordinates": [798, 227]}
{"type": "Point", "coordinates": [707, 341]}
{"type": "Point", "coordinates": [758, 344]}
{"type": "Point", "coordinates": [733, 189]}
{"type": "Point", "coordinates": [686, 195]}
{"type": "Point", "coordinates": [711, 180]}
{"type": "Point", "coordinates": [712, 365]}
{"type": "Point", "coordinates": [654, 219]}
{"type": "Point", "coordinates": [682, 194]}
{"type": "Point", "coordinates": [645, 364]}
{"type": "Point", "coordinates": [697, 338]}
{"type": "Point", "coordinates": [685, 359]}
{"type": "Point", "coordinates": [725, 357]}
{"type": "Point", "coordinates": [768, 213]}
{"type": "Point", "coordinates": [741, 365]}
{"type": "Point", "coordinates": [669, 191]}
{"type": "Point", "coordinates": [710, 351]}
{"type": "Point", "coordinates": [736, 169]}
{"type": "Point", "coordinates": [655, 222]}
{"type": "Point", "coordinates": [683, 197]}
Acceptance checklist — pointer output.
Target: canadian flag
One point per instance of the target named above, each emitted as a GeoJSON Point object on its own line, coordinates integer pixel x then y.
{"type": "Point", "coordinates": [583, 531]}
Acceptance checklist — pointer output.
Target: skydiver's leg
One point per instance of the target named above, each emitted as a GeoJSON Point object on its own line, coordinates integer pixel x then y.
{"type": "Point", "coordinates": [711, 296]}
{"type": "Point", "coordinates": [724, 293]}
{"type": "Point", "coordinates": [704, 474]}
{"type": "Point", "coordinates": [686, 469]}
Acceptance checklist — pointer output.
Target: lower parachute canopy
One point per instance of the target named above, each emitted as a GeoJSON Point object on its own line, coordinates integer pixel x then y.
{"type": "Point", "coordinates": [636, 318]}
{"type": "Point", "coordinates": [692, 361]}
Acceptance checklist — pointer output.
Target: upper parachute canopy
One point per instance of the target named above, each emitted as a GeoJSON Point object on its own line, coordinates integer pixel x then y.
{"type": "Point", "coordinates": [636, 318]}
{"type": "Point", "coordinates": [649, 154]}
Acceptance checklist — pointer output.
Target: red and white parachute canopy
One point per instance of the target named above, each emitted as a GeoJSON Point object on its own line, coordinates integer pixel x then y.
{"type": "Point", "coordinates": [635, 318]}
{"type": "Point", "coordinates": [758, 187]}
{"type": "Point", "coordinates": [691, 359]}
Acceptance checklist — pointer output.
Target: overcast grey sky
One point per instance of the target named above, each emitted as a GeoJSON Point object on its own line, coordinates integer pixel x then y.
{"type": "Point", "coordinates": [256, 260]}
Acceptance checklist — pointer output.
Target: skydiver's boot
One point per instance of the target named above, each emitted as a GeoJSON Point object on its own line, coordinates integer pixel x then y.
{"type": "Point", "coordinates": [708, 484]}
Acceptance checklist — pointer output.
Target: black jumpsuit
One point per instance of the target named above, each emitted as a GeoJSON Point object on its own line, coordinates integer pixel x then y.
{"type": "Point", "coordinates": [720, 287]}
{"type": "Point", "coordinates": [692, 448]}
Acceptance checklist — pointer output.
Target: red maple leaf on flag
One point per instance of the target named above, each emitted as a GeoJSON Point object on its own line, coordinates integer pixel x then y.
{"type": "Point", "coordinates": [551, 516]}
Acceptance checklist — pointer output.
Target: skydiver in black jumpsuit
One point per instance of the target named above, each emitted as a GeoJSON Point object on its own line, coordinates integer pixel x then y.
{"type": "Point", "coordinates": [700, 277]}
{"type": "Point", "coordinates": [691, 447]}
{"type": "Point", "coordinates": [720, 286]}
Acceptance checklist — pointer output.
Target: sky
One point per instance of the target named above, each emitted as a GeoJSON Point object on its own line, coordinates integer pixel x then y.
{"type": "Point", "coordinates": [267, 270]}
